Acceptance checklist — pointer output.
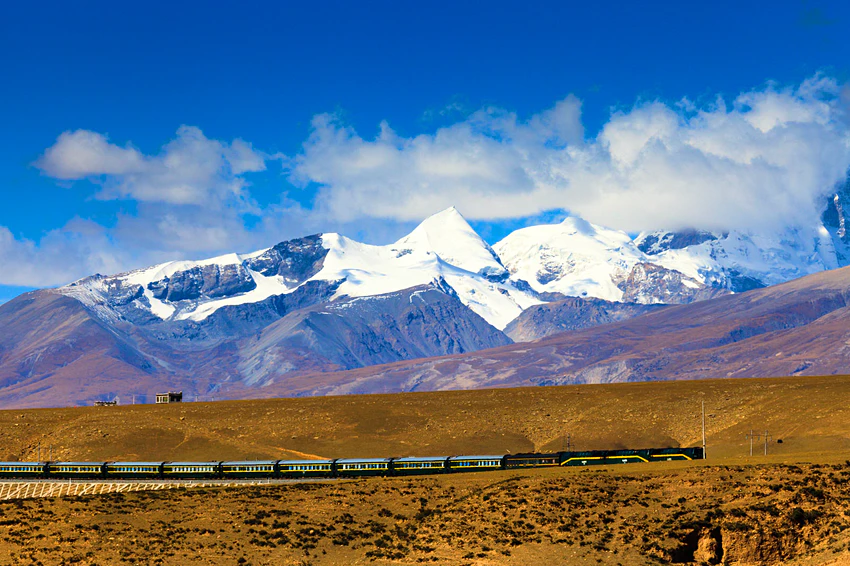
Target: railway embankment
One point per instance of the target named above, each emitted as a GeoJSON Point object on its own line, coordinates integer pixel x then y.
{"type": "Point", "coordinates": [11, 489]}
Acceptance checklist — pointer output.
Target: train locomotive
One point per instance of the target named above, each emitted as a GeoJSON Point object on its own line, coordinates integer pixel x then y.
{"type": "Point", "coordinates": [336, 468]}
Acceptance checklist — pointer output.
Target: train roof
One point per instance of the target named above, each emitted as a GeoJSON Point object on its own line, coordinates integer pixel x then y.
{"type": "Point", "coordinates": [534, 455]}
{"type": "Point", "coordinates": [249, 463]}
{"type": "Point", "coordinates": [76, 463]}
{"type": "Point", "coordinates": [304, 462]}
{"type": "Point", "coordinates": [485, 457]}
{"type": "Point", "coordinates": [191, 463]}
{"type": "Point", "coordinates": [363, 460]}
{"type": "Point", "coordinates": [421, 459]}
{"type": "Point", "coordinates": [134, 463]}
{"type": "Point", "coordinates": [22, 463]}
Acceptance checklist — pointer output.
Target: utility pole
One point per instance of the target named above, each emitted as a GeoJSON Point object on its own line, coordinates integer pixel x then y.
{"type": "Point", "coordinates": [703, 431]}
{"type": "Point", "coordinates": [766, 438]}
{"type": "Point", "coordinates": [752, 436]}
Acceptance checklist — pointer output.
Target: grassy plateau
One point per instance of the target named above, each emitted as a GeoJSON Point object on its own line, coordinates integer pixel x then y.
{"type": "Point", "coordinates": [789, 507]}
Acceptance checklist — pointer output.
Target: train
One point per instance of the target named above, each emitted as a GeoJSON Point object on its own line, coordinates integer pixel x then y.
{"type": "Point", "coordinates": [335, 468]}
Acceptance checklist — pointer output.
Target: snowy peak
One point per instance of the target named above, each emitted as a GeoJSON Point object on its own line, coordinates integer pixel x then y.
{"type": "Point", "coordinates": [579, 259]}
{"type": "Point", "coordinates": [443, 249]}
{"type": "Point", "coordinates": [450, 236]}
{"type": "Point", "coordinates": [193, 290]}
{"type": "Point", "coordinates": [574, 258]}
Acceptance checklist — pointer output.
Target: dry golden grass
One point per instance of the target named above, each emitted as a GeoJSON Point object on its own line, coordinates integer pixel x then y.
{"type": "Point", "coordinates": [791, 507]}
{"type": "Point", "coordinates": [768, 514]}
{"type": "Point", "coordinates": [809, 415]}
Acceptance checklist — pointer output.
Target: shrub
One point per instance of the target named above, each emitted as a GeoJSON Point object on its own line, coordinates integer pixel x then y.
{"type": "Point", "coordinates": [799, 516]}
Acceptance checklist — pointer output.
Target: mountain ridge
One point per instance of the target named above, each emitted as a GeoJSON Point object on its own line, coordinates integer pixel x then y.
{"type": "Point", "coordinates": [324, 304]}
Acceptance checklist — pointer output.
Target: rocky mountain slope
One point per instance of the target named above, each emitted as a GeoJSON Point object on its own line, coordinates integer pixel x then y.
{"type": "Point", "coordinates": [54, 348]}
{"type": "Point", "coordinates": [572, 313]}
{"type": "Point", "coordinates": [796, 328]}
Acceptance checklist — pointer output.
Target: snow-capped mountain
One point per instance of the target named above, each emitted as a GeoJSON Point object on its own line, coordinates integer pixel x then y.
{"type": "Point", "coordinates": [532, 265]}
{"type": "Point", "coordinates": [576, 258]}
{"type": "Point", "coordinates": [325, 303]}
{"type": "Point", "coordinates": [443, 249]}
{"type": "Point", "coordinates": [740, 261]}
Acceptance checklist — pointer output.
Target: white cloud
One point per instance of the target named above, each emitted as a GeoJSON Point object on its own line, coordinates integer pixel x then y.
{"type": "Point", "coordinates": [82, 153]}
{"type": "Point", "coordinates": [190, 169]}
{"type": "Point", "coordinates": [60, 256]}
{"type": "Point", "coordinates": [767, 159]}
{"type": "Point", "coordinates": [191, 198]}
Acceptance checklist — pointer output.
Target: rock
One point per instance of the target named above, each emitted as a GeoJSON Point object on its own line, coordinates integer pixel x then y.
{"type": "Point", "coordinates": [709, 548]}
{"type": "Point", "coordinates": [210, 281]}
{"type": "Point", "coordinates": [648, 283]}
{"type": "Point", "coordinates": [572, 313]}
{"type": "Point", "coordinates": [656, 242]}
{"type": "Point", "coordinates": [294, 260]}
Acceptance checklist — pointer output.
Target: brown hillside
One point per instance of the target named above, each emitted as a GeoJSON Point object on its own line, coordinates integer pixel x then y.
{"type": "Point", "coordinates": [809, 414]}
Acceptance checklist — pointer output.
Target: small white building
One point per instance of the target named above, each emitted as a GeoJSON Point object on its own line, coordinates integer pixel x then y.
{"type": "Point", "coordinates": [170, 397]}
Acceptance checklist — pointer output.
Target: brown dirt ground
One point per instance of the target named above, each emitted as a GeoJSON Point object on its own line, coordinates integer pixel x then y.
{"type": "Point", "coordinates": [629, 515]}
{"type": "Point", "coordinates": [791, 507]}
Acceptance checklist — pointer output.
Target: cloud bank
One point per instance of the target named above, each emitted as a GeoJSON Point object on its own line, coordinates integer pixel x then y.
{"type": "Point", "coordinates": [190, 169]}
{"type": "Point", "coordinates": [765, 160]}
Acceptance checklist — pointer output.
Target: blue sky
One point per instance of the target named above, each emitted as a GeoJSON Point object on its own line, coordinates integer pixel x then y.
{"type": "Point", "coordinates": [309, 117]}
